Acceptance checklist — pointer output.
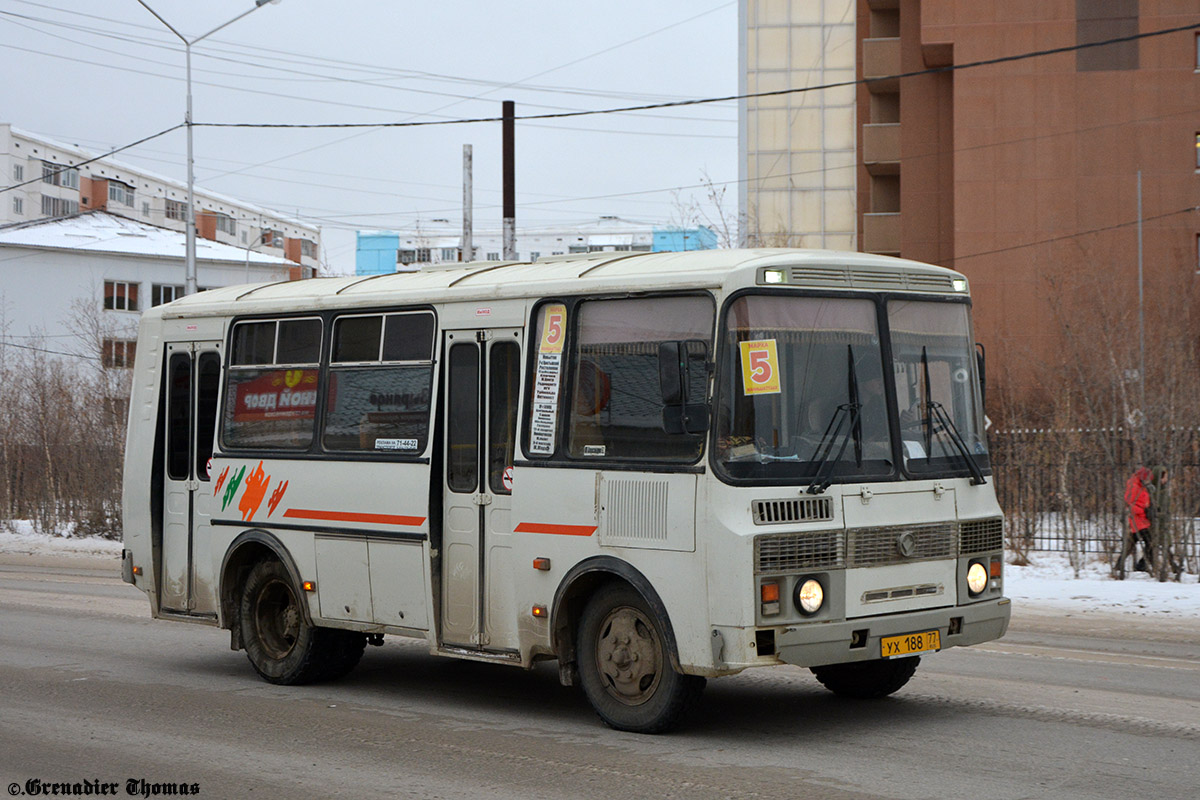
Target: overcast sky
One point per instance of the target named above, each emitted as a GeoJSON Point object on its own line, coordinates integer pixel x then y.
{"type": "Point", "coordinates": [101, 75]}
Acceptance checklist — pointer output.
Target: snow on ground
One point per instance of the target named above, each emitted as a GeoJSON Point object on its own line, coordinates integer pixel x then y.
{"type": "Point", "coordinates": [1048, 583]}
{"type": "Point", "coordinates": [19, 536]}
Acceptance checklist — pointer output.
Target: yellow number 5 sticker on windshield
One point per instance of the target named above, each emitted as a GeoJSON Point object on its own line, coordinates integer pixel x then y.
{"type": "Point", "coordinates": [760, 367]}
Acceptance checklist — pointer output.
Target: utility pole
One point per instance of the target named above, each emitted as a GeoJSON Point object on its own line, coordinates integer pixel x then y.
{"type": "Point", "coordinates": [468, 245]}
{"type": "Point", "coordinates": [510, 181]}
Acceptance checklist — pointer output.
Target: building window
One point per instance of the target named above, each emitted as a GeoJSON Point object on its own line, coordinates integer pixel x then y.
{"type": "Point", "coordinates": [308, 249]}
{"type": "Point", "coordinates": [120, 296]}
{"type": "Point", "coordinates": [120, 193]}
{"type": "Point", "coordinates": [164, 293]}
{"type": "Point", "coordinates": [57, 175]}
{"type": "Point", "coordinates": [145, 209]}
{"type": "Point", "coordinates": [577, 249]}
{"type": "Point", "coordinates": [1198, 151]}
{"type": "Point", "coordinates": [18, 205]}
{"type": "Point", "coordinates": [534, 255]}
{"type": "Point", "coordinates": [18, 172]}
{"type": "Point", "coordinates": [58, 206]}
{"type": "Point", "coordinates": [118, 353]}
{"type": "Point", "coordinates": [493, 256]}
{"type": "Point", "coordinates": [176, 210]}
{"type": "Point", "coordinates": [272, 238]}
{"type": "Point", "coordinates": [449, 254]}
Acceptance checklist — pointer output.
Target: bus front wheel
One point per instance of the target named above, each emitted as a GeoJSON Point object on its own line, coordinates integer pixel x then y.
{"type": "Point", "coordinates": [625, 668]}
{"type": "Point", "coordinates": [867, 679]}
{"type": "Point", "coordinates": [281, 646]}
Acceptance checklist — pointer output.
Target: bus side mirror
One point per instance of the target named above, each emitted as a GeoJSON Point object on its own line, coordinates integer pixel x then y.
{"type": "Point", "coordinates": [679, 364]}
{"type": "Point", "coordinates": [981, 362]}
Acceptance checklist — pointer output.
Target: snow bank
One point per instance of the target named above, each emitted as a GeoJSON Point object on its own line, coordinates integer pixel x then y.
{"type": "Point", "coordinates": [18, 536]}
{"type": "Point", "coordinates": [1049, 582]}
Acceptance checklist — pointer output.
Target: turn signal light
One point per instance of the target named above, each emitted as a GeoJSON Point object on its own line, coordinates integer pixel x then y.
{"type": "Point", "coordinates": [540, 612]}
{"type": "Point", "coordinates": [770, 592]}
{"type": "Point", "coordinates": [137, 570]}
{"type": "Point", "coordinates": [995, 568]}
{"type": "Point", "coordinates": [541, 563]}
{"type": "Point", "coordinates": [309, 586]}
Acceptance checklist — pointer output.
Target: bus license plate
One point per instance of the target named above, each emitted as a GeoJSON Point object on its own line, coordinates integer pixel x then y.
{"type": "Point", "coordinates": [910, 644]}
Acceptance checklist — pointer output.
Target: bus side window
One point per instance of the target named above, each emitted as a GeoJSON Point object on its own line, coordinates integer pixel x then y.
{"type": "Point", "coordinates": [616, 402]}
{"type": "Point", "coordinates": [271, 388]}
{"type": "Point", "coordinates": [380, 384]}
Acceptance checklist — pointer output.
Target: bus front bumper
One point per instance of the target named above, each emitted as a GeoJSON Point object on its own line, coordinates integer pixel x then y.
{"type": "Point", "coordinates": [859, 639]}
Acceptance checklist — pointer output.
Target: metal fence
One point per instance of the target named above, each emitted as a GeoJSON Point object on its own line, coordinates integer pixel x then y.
{"type": "Point", "coordinates": [1075, 502]}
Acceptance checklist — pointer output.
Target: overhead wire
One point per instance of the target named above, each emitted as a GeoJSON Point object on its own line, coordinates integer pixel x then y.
{"type": "Point", "coordinates": [721, 99]}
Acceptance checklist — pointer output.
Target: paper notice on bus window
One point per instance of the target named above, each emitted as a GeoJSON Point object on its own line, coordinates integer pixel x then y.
{"type": "Point", "coordinates": [546, 380]}
{"type": "Point", "coordinates": [760, 367]}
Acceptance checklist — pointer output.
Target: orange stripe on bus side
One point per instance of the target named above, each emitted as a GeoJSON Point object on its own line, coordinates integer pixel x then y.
{"type": "Point", "coordinates": [559, 530]}
{"type": "Point", "coordinates": [354, 516]}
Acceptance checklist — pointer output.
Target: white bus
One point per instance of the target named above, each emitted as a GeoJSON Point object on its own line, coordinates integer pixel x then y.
{"type": "Point", "coordinates": [654, 468]}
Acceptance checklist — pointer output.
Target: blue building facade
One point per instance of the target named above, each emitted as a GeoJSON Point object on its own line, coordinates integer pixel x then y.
{"type": "Point", "coordinates": [376, 252]}
{"type": "Point", "coordinates": [675, 240]}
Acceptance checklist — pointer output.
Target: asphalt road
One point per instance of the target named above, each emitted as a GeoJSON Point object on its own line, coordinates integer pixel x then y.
{"type": "Point", "coordinates": [92, 689]}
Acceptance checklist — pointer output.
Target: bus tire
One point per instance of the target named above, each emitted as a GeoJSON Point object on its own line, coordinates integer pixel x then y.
{"type": "Point", "coordinates": [347, 650]}
{"type": "Point", "coordinates": [866, 680]}
{"type": "Point", "coordinates": [625, 667]}
{"type": "Point", "coordinates": [281, 646]}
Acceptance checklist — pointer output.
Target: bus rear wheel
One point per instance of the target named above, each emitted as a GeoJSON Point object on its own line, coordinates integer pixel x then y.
{"type": "Point", "coordinates": [866, 680]}
{"type": "Point", "coordinates": [625, 668]}
{"type": "Point", "coordinates": [281, 646]}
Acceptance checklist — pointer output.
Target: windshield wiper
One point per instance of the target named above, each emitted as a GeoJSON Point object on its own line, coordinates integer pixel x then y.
{"type": "Point", "coordinates": [934, 409]}
{"type": "Point", "coordinates": [846, 412]}
{"type": "Point", "coordinates": [949, 427]}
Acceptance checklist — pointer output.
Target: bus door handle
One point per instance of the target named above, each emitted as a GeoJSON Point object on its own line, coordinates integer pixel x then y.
{"type": "Point", "coordinates": [482, 499]}
{"type": "Point", "coordinates": [192, 485]}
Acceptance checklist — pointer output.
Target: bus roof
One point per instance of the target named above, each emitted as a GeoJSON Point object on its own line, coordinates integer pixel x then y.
{"type": "Point", "coordinates": [572, 274]}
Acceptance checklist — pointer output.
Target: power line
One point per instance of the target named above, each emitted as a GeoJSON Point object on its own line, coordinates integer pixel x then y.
{"type": "Point", "coordinates": [722, 99]}
{"type": "Point", "coordinates": [369, 83]}
{"type": "Point", "coordinates": [323, 62]}
{"type": "Point", "coordinates": [1075, 235]}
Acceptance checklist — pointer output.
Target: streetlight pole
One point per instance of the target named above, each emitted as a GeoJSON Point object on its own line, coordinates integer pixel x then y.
{"type": "Point", "coordinates": [190, 232]}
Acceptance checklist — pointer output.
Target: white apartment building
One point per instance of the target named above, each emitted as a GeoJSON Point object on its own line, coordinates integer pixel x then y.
{"type": "Point", "coordinates": [51, 181]}
{"type": "Point", "coordinates": [440, 240]}
{"type": "Point", "coordinates": [96, 272]}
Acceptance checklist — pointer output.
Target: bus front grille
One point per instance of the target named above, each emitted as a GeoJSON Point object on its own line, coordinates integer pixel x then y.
{"type": "Point", "coordinates": [869, 547]}
{"type": "Point", "coordinates": [795, 552]}
{"type": "Point", "coordinates": [981, 535]}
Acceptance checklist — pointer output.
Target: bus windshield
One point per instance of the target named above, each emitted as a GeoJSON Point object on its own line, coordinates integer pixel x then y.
{"type": "Point", "coordinates": [933, 360]}
{"type": "Point", "coordinates": [801, 390]}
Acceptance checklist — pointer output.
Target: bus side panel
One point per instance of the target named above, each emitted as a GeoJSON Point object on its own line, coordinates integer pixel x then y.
{"type": "Point", "coordinates": [141, 497]}
{"type": "Point", "coordinates": [366, 524]}
{"type": "Point", "coordinates": [562, 514]}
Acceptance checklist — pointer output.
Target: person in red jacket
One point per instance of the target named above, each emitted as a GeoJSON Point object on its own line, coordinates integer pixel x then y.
{"type": "Point", "coordinates": [1141, 515]}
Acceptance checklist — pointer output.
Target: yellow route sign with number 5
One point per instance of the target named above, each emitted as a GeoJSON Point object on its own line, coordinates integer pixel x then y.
{"type": "Point", "coordinates": [760, 367]}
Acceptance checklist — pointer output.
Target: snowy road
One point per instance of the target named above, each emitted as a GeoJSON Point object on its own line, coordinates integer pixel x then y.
{"type": "Point", "coordinates": [1092, 705]}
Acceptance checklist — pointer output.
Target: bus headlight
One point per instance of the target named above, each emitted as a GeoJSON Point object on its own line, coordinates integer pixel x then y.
{"type": "Point", "coordinates": [977, 578]}
{"type": "Point", "coordinates": [810, 596]}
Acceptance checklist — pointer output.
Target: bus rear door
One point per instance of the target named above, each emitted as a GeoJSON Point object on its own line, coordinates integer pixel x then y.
{"type": "Point", "coordinates": [193, 378]}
